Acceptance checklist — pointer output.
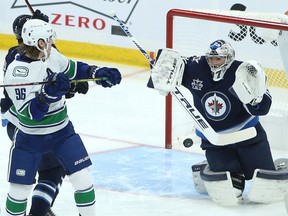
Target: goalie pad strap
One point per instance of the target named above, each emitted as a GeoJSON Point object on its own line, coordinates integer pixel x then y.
{"type": "Point", "coordinates": [272, 175]}
{"type": "Point", "coordinates": [238, 181]}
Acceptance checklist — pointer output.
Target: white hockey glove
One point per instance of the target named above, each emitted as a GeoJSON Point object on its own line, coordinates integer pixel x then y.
{"type": "Point", "coordinates": [167, 72]}
{"type": "Point", "coordinates": [250, 83]}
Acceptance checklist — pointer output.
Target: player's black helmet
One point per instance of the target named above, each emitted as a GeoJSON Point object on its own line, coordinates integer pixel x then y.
{"type": "Point", "coordinates": [18, 25]}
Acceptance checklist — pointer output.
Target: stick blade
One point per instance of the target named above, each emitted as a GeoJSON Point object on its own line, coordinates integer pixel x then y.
{"type": "Point", "coordinates": [235, 137]}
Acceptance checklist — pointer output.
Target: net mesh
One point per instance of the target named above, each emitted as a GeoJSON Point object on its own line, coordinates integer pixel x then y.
{"type": "Point", "coordinates": [192, 36]}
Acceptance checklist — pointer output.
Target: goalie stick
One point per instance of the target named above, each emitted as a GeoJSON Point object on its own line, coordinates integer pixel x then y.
{"type": "Point", "coordinates": [46, 82]}
{"type": "Point", "coordinates": [202, 125]}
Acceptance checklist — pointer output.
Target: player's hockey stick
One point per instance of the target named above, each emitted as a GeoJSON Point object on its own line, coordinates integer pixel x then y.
{"type": "Point", "coordinates": [202, 125]}
{"type": "Point", "coordinates": [29, 6]}
{"type": "Point", "coordinates": [46, 82]}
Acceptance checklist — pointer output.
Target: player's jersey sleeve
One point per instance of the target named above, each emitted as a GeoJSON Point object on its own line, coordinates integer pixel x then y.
{"type": "Point", "coordinates": [6, 102]}
{"type": "Point", "coordinates": [263, 107]}
{"type": "Point", "coordinates": [73, 69]}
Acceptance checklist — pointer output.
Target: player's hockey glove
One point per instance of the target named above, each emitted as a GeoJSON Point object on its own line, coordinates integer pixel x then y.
{"type": "Point", "coordinates": [5, 104]}
{"type": "Point", "coordinates": [81, 88]}
{"type": "Point", "coordinates": [112, 74]}
{"type": "Point", "coordinates": [58, 86]}
{"type": "Point", "coordinates": [39, 15]}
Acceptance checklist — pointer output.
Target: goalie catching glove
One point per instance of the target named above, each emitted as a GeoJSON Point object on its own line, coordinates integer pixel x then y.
{"type": "Point", "coordinates": [167, 72]}
{"type": "Point", "coordinates": [250, 83]}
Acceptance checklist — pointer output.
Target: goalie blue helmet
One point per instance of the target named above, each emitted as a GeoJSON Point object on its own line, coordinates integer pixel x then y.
{"type": "Point", "coordinates": [219, 56]}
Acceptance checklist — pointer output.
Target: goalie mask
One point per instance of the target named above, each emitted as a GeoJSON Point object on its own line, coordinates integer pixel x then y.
{"type": "Point", "coordinates": [220, 57]}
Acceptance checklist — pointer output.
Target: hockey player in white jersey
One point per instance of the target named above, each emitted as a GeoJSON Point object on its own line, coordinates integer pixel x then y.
{"type": "Point", "coordinates": [50, 171]}
{"type": "Point", "coordinates": [40, 114]}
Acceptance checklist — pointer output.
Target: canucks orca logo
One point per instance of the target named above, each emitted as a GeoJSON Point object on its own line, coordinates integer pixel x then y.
{"type": "Point", "coordinates": [216, 104]}
{"type": "Point", "coordinates": [20, 71]}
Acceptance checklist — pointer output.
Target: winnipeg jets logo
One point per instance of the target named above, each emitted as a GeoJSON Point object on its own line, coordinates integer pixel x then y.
{"type": "Point", "coordinates": [217, 105]}
{"type": "Point", "coordinates": [197, 84]}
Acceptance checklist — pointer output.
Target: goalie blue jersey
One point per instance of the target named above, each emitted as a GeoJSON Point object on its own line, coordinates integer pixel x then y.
{"type": "Point", "coordinates": [220, 107]}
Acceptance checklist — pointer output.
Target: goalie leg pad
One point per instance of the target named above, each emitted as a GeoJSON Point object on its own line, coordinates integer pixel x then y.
{"type": "Point", "coordinates": [219, 187]}
{"type": "Point", "coordinates": [270, 186]}
{"type": "Point", "coordinates": [198, 182]}
{"type": "Point", "coordinates": [168, 70]}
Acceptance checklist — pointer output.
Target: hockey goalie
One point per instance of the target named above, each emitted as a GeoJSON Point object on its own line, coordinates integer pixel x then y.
{"type": "Point", "coordinates": [230, 95]}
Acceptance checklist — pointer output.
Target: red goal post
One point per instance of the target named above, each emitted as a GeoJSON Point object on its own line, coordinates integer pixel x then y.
{"type": "Point", "coordinates": [256, 21]}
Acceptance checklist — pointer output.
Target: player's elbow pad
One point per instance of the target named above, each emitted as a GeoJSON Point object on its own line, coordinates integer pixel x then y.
{"type": "Point", "coordinates": [38, 109]}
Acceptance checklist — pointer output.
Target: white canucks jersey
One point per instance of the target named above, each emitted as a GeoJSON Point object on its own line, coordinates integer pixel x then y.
{"type": "Point", "coordinates": [36, 71]}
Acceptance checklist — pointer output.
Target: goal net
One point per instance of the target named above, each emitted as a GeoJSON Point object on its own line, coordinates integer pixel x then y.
{"type": "Point", "coordinates": [254, 36]}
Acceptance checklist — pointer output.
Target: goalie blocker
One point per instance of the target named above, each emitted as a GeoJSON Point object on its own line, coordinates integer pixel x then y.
{"type": "Point", "coordinates": [225, 188]}
{"type": "Point", "coordinates": [167, 72]}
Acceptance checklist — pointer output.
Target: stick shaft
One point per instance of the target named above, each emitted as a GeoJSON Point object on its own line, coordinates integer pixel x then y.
{"type": "Point", "coordinates": [128, 33]}
{"type": "Point", "coordinates": [46, 82]}
{"type": "Point", "coordinates": [29, 6]}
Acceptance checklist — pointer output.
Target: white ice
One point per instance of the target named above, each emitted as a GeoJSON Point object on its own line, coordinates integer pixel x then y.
{"type": "Point", "coordinates": [126, 118]}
